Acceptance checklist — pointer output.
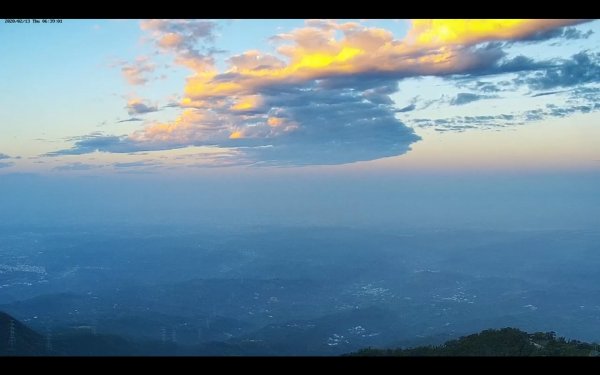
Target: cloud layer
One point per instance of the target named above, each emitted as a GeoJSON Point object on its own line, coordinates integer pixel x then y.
{"type": "Point", "coordinates": [325, 97]}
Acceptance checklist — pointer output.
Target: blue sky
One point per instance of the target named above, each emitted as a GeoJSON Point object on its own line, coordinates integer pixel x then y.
{"type": "Point", "coordinates": [96, 97]}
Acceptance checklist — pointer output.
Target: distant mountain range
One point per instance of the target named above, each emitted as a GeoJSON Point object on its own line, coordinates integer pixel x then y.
{"type": "Point", "coordinates": [19, 340]}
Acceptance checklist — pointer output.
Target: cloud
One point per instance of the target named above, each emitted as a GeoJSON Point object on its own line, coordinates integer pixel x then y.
{"type": "Point", "coordinates": [135, 164]}
{"type": "Point", "coordinates": [130, 120]}
{"type": "Point", "coordinates": [487, 87]}
{"type": "Point", "coordinates": [338, 126]}
{"type": "Point", "coordinates": [565, 111]}
{"type": "Point", "coordinates": [77, 166]}
{"type": "Point", "coordinates": [548, 93]}
{"type": "Point", "coordinates": [172, 105]}
{"type": "Point", "coordinates": [138, 107]}
{"type": "Point", "coordinates": [4, 156]}
{"type": "Point", "coordinates": [568, 33]}
{"type": "Point", "coordinates": [6, 164]}
{"type": "Point", "coordinates": [456, 32]}
{"type": "Point", "coordinates": [136, 73]}
{"type": "Point", "coordinates": [328, 126]}
{"type": "Point", "coordinates": [501, 65]}
{"type": "Point", "coordinates": [589, 94]}
{"type": "Point", "coordinates": [462, 123]}
{"type": "Point", "coordinates": [572, 33]}
{"type": "Point", "coordinates": [464, 98]}
{"type": "Point", "coordinates": [182, 37]}
{"type": "Point", "coordinates": [324, 97]}
{"type": "Point", "coordinates": [97, 142]}
{"type": "Point", "coordinates": [408, 108]}
{"type": "Point", "coordinates": [315, 53]}
{"type": "Point", "coordinates": [583, 67]}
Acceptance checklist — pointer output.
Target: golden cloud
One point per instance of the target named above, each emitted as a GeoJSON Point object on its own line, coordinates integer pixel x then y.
{"type": "Point", "coordinates": [431, 47]}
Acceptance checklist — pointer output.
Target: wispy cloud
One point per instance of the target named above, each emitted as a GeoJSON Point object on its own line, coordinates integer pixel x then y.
{"type": "Point", "coordinates": [583, 67]}
{"type": "Point", "coordinates": [138, 71]}
{"type": "Point", "coordinates": [465, 97]}
{"type": "Point", "coordinates": [462, 123]}
{"type": "Point", "coordinates": [571, 33]}
{"type": "Point", "coordinates": [96, 142]}
{"type": "Point", "coordinates": [548, 93]}
{"type": "Point", "coordinates": [77, 166]}
{"type": "Point", "coordinates": [183, 37]}
{"type": "Point", "coordinates": [135, 164]}
{"type": "Point", "coordinates": [408, 108]}
{"type": "Point", "coordinates": [132, 119]}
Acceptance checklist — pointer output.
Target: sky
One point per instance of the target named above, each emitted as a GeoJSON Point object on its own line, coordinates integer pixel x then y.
{"type": "Point", "coordinates": [357, 108]}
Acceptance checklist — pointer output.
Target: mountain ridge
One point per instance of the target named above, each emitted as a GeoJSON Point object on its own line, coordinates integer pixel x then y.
{"type": "Point", "coordinates": [495, 342]}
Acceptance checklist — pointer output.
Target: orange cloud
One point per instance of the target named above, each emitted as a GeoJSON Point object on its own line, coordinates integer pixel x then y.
{"type": "Point", "coordinates": [136, 73]}
{"type": "Point", "coordinates": [236, 135]}
{"type": "Point", "coordinates": [431, 47]}
{"type": "Point", "coordinates": [170, 40]}
{"type": "Point", "coordinates": [323, 98]}
{"type": "Point", "coordinates": [191, 124]}
{"type": "Point", "coordinates": [247, 103]}
{"type": "Point", "coordinates": [433, 33]}
{"type": "Point", "coordinates": [234, 105]}
{"type": "Point", "coordinates": [274, 121]}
